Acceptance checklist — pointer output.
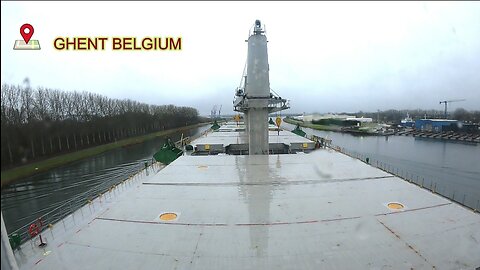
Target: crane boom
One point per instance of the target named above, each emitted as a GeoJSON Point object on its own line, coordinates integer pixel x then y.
{"type": "Point", "coordinates": [449, 101]}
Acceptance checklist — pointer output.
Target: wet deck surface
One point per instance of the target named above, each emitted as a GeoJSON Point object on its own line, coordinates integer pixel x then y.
{"type": "Point", "coordinates": [321, 210]}
{"type": "Point", "coordinates": [236, 137]}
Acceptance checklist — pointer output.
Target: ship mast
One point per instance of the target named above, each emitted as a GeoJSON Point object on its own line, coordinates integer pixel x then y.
{"type": "Point", "coordinates": [254, 98]}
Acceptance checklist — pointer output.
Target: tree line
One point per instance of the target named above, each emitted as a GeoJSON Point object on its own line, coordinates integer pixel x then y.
{"type": "Point", "coordinates": [45, 122]}
{"type": "Point", "coordinates": [395, 116]}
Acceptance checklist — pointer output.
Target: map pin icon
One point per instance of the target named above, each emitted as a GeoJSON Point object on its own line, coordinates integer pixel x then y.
{"type": "Point", "coordinates": [26, 36]}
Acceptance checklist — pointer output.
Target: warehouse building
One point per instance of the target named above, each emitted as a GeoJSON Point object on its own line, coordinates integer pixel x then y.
{"type": "Point", "coordinates": [435, 125]}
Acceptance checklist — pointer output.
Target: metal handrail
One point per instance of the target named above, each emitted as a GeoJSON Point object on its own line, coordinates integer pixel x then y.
{"type": "Point", "coordinates": [78, 201]}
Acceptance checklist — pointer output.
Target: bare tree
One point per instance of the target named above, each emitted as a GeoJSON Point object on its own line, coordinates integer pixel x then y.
{"type": "Point", "coordinates": [44, 122]}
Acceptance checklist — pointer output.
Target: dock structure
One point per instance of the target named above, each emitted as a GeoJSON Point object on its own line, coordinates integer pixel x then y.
{"type": "Point", "coordinates": [317, 210]}
{"type": "Point", "coordinates": [448, 135]}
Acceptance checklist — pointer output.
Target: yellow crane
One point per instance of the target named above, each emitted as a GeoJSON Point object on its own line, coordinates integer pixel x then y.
{"type": "Point", "coordinates": [449, 101]}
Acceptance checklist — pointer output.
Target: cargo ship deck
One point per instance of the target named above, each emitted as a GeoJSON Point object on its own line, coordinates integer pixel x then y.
{"type": "Point", "coordinates": [316, 210]}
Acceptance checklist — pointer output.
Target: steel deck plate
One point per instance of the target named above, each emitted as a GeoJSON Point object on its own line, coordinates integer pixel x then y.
{"type": "Point", "coordinates": [321, 210]}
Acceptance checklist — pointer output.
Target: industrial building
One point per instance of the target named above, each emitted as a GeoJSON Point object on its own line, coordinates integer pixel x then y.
{"type": "Point", "coordinates": [360, 119]}
{"type": "Point", "coordinates": [316, 117]}
{"type": "Point", "coordinates": [435, 125]}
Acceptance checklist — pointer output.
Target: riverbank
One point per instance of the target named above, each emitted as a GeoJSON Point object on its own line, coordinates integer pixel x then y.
{"type": "Point", "coordinates": [313, 126]}
{"type": "Point", "coordinates": [366, 130]}
{"type": "Point", "coordinates": [361, 131]}
{"type": "Point", "coordinates": [16, 173]}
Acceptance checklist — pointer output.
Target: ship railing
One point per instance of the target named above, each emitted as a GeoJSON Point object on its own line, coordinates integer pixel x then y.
{"type": "Point", "coordinates": [428, 183]}
{"type": "Point", "coordinates": [182, 142]}
{"type": "Point", "coordinates": [74, 208]}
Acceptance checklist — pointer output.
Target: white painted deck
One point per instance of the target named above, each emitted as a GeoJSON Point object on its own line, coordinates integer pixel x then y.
{"type": "Point", "coordinates": [321, 210]}
{"type": "Point", "coordinates": [235, 137]}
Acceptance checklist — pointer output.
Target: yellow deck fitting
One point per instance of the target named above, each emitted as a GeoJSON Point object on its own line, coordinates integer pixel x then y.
{"type": "Point", "coordinates": [168, 216]}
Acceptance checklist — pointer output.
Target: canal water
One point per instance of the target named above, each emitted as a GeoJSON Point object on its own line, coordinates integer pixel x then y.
{"type": "Point", "coordinates": [451, 168]}
{"type": "Point", "coordinates": [30, 198]}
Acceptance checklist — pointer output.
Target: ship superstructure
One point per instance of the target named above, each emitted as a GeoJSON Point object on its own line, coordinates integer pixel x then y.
{"type": "Point", "coordinates": [225, 205]}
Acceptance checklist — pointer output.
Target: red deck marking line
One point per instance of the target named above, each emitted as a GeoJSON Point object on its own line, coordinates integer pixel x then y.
{"type": "Point", "coordinates": [249, 224]}
{"type": "Point", "coordinates": [162, 223]}
{"type": "Point", "coordinates": [126, 220]}
{"type": "Point", "coordinates": [108, 208]}
{"type": "Point", "coordinates": [301, 182]}
{"type": "Point", "coordinates": [307, 221]}
{"type": "Point", "coordinates": [275, 223]}
{"type": "Point", "coordinates": [195, 224]}
{"type": "Point", "coordinates": [338, 219]}
{"type": "Point", "coordinates": [224, 224]}
{"type": "Point", "coordinates": [414, 209]}
{"type": "Point", "coordinates": [38, 261]}
{"type": "Point", "coordinates": [294, 222]}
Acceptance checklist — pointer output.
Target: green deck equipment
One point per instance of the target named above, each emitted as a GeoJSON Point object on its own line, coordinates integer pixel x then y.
{"type": "Point", "coordinates": [168, 153]}
{"type": "Point", "coordinates": [271, 121]}
{"type": "Point", "coordinates": [215, 125]}
{"type": "Point", "coordinates": [15, 240]}
{"type": "Point", "coordinates": [299, 131]}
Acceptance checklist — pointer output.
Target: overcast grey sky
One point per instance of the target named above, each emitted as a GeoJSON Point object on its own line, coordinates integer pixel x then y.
{"type": "Point", "coordinates": [324, 56]}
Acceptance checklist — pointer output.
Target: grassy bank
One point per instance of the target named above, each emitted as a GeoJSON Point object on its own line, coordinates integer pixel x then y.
{"type": "Point", "coordinates": [364, 130]}
{"type": "Point", "coordinates": [36, 167]}
{"type": "Point", "coordinates": [310, 125]}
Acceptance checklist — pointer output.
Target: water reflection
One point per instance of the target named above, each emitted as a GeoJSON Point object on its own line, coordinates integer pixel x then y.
{"type": "Point", "coordinates": [258, 183]}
